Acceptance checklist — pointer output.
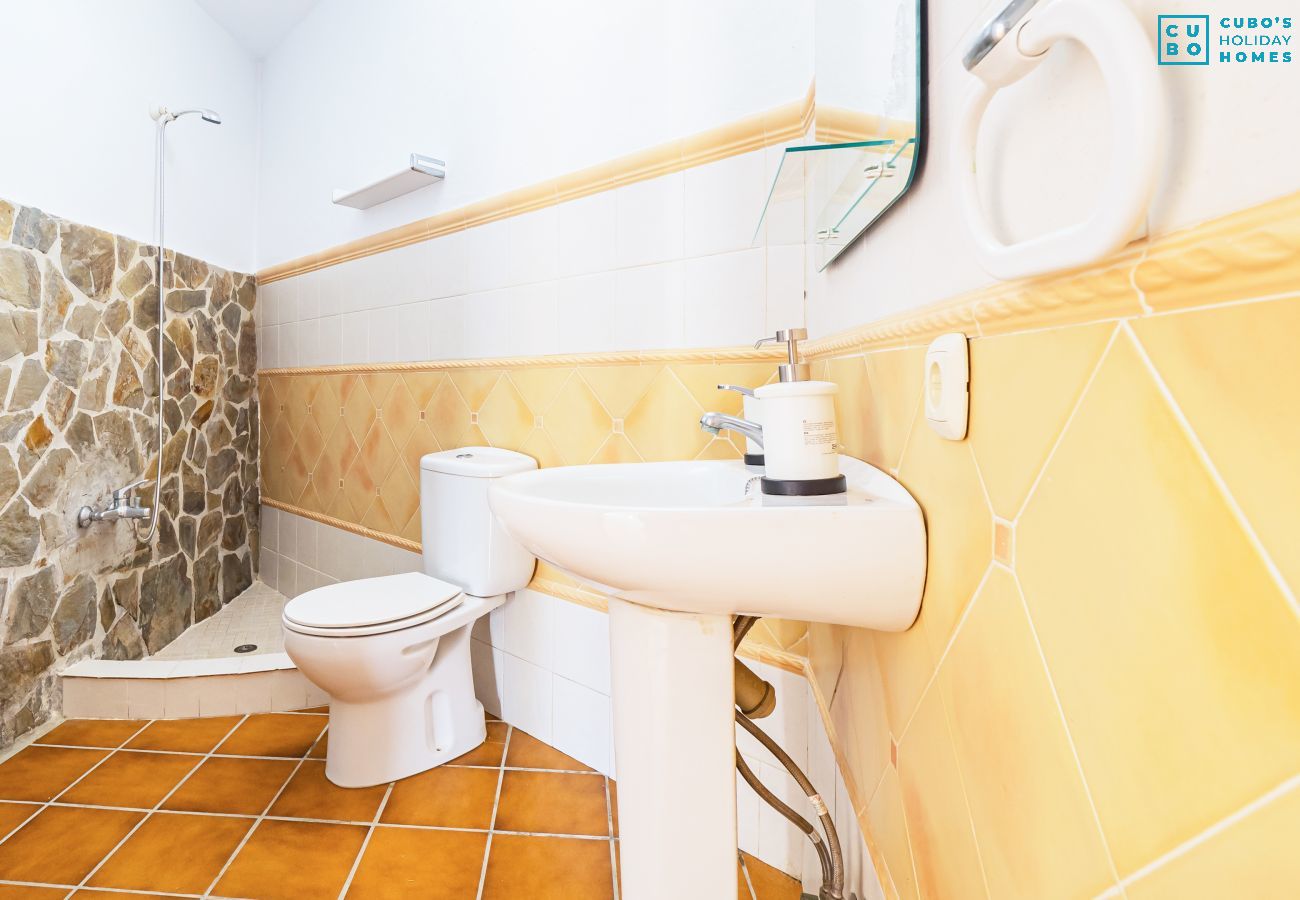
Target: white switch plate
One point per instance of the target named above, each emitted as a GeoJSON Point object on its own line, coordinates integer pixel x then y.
{"type": "Point", "coordinates": [947, 385]}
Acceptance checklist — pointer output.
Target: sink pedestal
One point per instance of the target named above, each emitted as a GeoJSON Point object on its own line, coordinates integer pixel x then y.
{"type": "Point", "coordinates": [674, 742]}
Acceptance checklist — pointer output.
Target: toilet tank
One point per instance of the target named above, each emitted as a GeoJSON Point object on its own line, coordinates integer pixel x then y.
{"type": "Point", "coordinates": [464, 544]}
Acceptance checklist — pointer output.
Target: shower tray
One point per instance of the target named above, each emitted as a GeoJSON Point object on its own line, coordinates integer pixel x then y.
{"type": "Point", "coordinates": [199, 674]}
{"type": "Point", "coordinates": [250, 620]}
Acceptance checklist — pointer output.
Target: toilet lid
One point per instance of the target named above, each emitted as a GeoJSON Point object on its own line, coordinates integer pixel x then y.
{"type": "Point", "coordinates": [370, 602]}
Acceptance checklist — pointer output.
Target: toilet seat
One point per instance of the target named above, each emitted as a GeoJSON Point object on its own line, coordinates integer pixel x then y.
{"type": "Point", "coordinates": [371, 605]}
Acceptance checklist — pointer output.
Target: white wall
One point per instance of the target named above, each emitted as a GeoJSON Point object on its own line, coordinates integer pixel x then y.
{"type": "Point", "coordinates": [77, 141]}
{"type": "Point", "coordinates": [1045, 147]}
{"type": "Point", "coordinates": [508, 94]}
{"type": "Point", "coordinates": [664, 263]}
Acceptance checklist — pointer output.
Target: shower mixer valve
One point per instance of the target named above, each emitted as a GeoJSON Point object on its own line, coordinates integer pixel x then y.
{"type": "Point", "coordinates": [124, 505]}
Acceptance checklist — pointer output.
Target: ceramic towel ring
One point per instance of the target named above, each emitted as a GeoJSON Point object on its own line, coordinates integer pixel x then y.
{"type": "Point", "coordinates": [1012, 46]}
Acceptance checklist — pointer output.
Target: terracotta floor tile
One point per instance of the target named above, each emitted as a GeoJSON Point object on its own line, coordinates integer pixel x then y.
{"type": "Point", "coordinates": [239, 786]}
{"type": "Point", "coordinates": [450, 797]}
{"type": "Point", "coordinates": [293, 861]}
{"type": "Point", "coordinates": [770, 883]}
{"type": "Point", "coordinates": [138, 780]}
{"type": "Point", "coordinates": [527, 752]}
{"type": "Point", "coordinates": [321, 747]}
{"type": "Point", "coordinates": [38, 773]}
{"type": "Point", "coordinates": [184, 735]}
{"type": "Point", "coordinates": [44, 850]}
{"type": "Point", "coordinates": [322, 710]}
{"type": "Point", "coordinates": [547, 868]}
{"type": "Point", "coordinates": [14, 814]}
{"type": "Point", "coordinates": [92, 732]}
{"type": "Point", "coordinates": [488, 753]}
{"type": "Point", "coordinates": [400, 863]}
{"type": "Point", "coordinates": [552, 803]}
{"type": "Point", "coordinates": [26, 892]}
{"type": "Point", "coordinates": [310, 795]}
{"type": "Point", "coordinates": [274, 734]}
{"type": "Point", "coordinates": [173, 852]}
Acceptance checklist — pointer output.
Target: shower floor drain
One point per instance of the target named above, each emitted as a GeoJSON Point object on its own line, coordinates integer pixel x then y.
{"type": "Point", "coordinates": [245, 648]}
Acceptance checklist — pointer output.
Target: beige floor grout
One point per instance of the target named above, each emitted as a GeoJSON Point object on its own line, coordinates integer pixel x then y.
{"type": "Point", "coordinates": [749, 882]}
{"type": "Point", "coordinates": [156, 806]}
{"type": "Point", "coordinates": [613, 841]}
{"type": "Point", "coordinates": [374, 820]}
{"type": "Point", "coordinates": [256, 821]}
{"type": "Point", "coordinates": [492, 823]}
{"type": "Point", "coordinates": [41, 807]}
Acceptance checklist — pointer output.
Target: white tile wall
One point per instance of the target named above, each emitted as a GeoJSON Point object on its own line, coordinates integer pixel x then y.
{"type": "Point", "coordinates": [299, 554]}
{"type": "Point", "coordinates": [651, 221]}
{"type": "Point", "coordinates": [588, 235]}
{"type": "Point", "coordinates": [542, 664]}
{"type": "Point", "coordinates": [130, 691]}
{"type": "Point", "coordinates": [660, 264]}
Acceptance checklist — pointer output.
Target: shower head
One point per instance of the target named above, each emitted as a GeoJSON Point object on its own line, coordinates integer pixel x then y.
{"type": "Point", "coordinates": [164, 115]}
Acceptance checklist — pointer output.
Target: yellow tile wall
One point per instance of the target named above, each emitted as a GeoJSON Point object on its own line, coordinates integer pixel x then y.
{"type": "Point", "coordinates": [1101, 696]}
{"type": "Point", "coordinates": [347, 445]}
{"type": "Point", "coordinates": [1102, 693]}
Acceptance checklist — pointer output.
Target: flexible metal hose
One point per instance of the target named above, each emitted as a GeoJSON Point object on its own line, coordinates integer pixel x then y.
{"type": "Point", "coordinates": [829, 852]}
{"type": "Point", "coordinates": [739, 628]}
{"type": "Point", "coordinates": [834, 888]}
{"type": "Point", "coordinates": [780, 806]}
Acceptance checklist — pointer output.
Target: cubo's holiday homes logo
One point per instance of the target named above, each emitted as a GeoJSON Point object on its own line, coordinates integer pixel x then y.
{"type": "Point", "coordinates": [1183, 40]}
{"type": "Point", "coordinates": [1198, 40]}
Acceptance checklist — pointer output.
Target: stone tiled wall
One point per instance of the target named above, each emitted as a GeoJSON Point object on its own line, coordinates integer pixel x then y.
{"type": "Point", "coordinates": [78, 323]}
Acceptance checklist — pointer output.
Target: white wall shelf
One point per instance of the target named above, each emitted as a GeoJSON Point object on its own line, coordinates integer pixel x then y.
{"type": "Point", "coordinates": [420, 172]}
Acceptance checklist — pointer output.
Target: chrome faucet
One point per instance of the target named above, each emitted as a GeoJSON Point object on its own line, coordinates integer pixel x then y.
{"type": "Point", "coordinates": [125, 505]}
{"type": "Point", "coordinates": [714, 422]}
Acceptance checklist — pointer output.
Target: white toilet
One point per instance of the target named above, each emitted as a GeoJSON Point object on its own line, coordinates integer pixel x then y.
{"type": "Point", "coordinates": [393, 652]}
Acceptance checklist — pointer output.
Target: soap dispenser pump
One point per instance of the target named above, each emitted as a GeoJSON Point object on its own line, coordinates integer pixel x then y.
{"type": "Point", "coordinates": [800, 440]}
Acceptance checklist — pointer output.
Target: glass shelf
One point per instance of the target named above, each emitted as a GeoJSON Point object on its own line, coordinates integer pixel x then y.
{"type": "Point", "coordinates": [824, 195]}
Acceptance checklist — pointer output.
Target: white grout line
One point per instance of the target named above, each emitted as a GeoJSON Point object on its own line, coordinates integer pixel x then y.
{"type": "Point", "coordinates": [145, 818]}
{"type": "Point", "coordinates": [374, 820]}
{"type": "Point", "coordinates": [1223, 304]}
{"type": "Point", "coordinates": [201, 758]}
{"type": "Point", "coordinates": [38, 884]}
{"type": "Point", "coordinates": [1286, 787]}
{"type": "Point", "coordinates": [1208, 465]}
{"type": "Point", "coordinates": [1065, 724]}
{"type": "Point", "coordinates": [496, 802]}
{"type": "Point", "coordinates": [1069, 420]}
{"type": "Point", "coordinates": [41, 806]}
{"type": "Point", "coordinates": [258, 821]}
{"type": "Point", "coordinates": [961, 781]}
{"type": "Point", "coordinates": [613, 842]}
{"type": "Point", "coordinates": [952, 639]}
{"type": "Point", "coordinates": [310, 759]}
{"type": "Point", "coordinates": [744, 869]}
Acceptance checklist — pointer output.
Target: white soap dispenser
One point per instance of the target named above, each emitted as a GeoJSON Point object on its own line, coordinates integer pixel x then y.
{"type": "Point", "coordinates": [800, 440]}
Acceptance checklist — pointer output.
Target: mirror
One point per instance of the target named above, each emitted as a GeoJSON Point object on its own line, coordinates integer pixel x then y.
{"type": "Point", "coordinates": [867, 126]}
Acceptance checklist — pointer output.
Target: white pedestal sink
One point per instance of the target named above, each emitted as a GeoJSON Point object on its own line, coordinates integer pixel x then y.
{"type": "Point", "coordinates": [681, 547]}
